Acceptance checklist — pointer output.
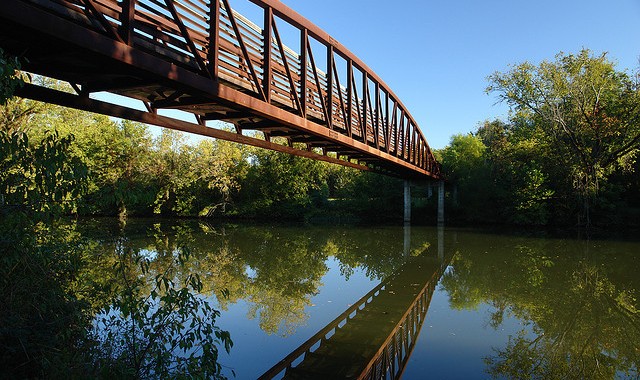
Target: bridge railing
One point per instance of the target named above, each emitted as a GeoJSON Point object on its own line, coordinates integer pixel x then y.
{"type": "Point", "coordinates": [212, 39]}
{"type": "Point", "coordinates": [313, 343]}
{"type": "Point", "coordinates": [392, 357]}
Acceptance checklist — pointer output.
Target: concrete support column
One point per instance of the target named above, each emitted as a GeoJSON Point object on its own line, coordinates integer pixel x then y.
{"type": "Point", "coordinates": [407, 201]}
{"type": "Point", "coordinates": [441, 202]}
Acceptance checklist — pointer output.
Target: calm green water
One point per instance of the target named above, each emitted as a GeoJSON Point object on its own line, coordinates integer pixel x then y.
{"type": "Point", "coordinates": [447, 303]}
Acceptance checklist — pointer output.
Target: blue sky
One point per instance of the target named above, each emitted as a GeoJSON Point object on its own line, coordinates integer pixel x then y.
{"type": "Point", "coordinates": [436, 55]}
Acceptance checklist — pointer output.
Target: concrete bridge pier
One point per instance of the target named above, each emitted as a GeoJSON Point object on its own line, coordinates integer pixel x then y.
{"type": "Point", "coordinates": [407, 201]}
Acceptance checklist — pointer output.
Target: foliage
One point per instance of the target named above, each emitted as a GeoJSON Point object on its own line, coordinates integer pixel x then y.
{"type": "Point", "coordinates": [38, 177]}
{"type": "Point", "coordinates": [222, 167]}
{"type": "Point", "coordinates": [167, 332]}
{"type": "Point", "coordinates": [520, 173]}
{"type": "Point", "coordinates": [464, 160]}
{"type": "Point", "coordinates": [10, 79]}
{"type": "Point", "coordinates": [588, 111]}
{"type": "Point", "coordinates": [38, 319]}
{"type": "Point", "coordinates": [580, 311]}
{"type": "Point", "coordinates": [567, 152]}
{"type": "Point", "coordinates": [280, 184]}
{"type": "Point", "coordinates": [372, 195]}
{"type": "Point", "coordinates": [42, 324]}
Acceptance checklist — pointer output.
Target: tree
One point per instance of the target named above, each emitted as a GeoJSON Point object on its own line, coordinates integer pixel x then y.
{"type": "Point", "coordinates": [221, 167]}
{"type": "Point", "coordinates": [590, 111]}
{"type": "Point", "coordinates": [117, 155]}
{"type": "Point", "coordinates": [173, 174]}
{"type": "Point", "coordinates": [283, 185]}
{"type": "Point", "coordinates": [41, 323]}
{"type": "Point", "coordinates": [464, 161]}
{"type": "Point", "coordinates": [464, 156]}
{"type": "Point", "coordinates": [10, 77]}
{"type": "Point", "coordinates": [521, 171]}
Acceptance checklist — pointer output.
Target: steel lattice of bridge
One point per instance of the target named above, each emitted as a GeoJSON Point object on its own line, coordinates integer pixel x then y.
{"type": "Point", "coordinates": [203, 57]}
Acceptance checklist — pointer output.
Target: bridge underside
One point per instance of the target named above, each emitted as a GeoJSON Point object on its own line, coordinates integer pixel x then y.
{"type": "Point", "coordinates": [100, 60]}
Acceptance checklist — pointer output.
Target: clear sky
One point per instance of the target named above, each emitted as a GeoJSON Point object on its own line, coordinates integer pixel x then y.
{"type": "Point", "coordinates": [436, 54]}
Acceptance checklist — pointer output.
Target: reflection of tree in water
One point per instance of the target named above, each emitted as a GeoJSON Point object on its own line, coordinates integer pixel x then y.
{"type": "Point", "coordinates": [581, 308]}
{"type": "Point", "coordinates": [593, 335]}
{"type": "Point", "coordinates": [287, 266]}
{"type": "Point", "coordinates": [157, 325]}
{"type": "Point", "coordinates": [376, 250]}
{"type": "Point", "coordinates": [277, 270]}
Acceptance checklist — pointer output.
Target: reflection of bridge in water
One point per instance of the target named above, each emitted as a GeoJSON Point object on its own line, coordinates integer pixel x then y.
{"type": "Point", "coordinates": [374, 338]}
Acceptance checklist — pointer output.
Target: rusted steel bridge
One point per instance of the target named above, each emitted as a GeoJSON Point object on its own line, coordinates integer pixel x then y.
{"type": "Point", "coordinates": [203, 57]}
{"type": "Point", "coordinates": [374, 338]}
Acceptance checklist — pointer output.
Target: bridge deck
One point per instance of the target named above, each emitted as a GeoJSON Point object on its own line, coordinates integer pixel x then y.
{"type": "Point", "coordinates": [204, 58]}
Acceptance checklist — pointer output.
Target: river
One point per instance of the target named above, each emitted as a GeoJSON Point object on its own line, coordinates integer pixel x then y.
{"type": "Point", "coordinates": [410, 302]}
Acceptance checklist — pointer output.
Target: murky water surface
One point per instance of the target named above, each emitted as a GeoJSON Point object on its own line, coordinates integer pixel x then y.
{"type": "Point", "coordinates": [419, 302]}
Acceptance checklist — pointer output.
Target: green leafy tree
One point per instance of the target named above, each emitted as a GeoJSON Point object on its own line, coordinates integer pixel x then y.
{"type": "Point", "coordinates": [41, 323]}
{"type": "Point", "coordinates": [38, 177]}
{"type": "Point", "coordinates": [522, 171]}
{"type": "Point", "coordinates": [221, 167]}
{"type": "Point", "coordinates": [173, 173]}
{"type": "Point", "coordinates": [590, 112]}
{"type": "Point", "coordinates": [118, 158]}
{"type": "Point", "coordinates": [464, 161]}
{"type": "Point", "coordinates": [10, 77]}
{"type": "Point", "coordinates": [283, 185]}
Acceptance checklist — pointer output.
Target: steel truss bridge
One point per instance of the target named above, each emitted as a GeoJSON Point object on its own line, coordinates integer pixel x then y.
{"type": "Point", "coordinates": [203, 57]}
{"type": "Point", "coordinates": [373, 338]}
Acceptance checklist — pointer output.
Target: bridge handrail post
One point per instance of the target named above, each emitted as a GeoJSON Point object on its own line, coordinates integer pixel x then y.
{"type": "Point", "coordinates": [304, 41]}
{"type": "Point", "coordinates": [214, 37]}
{"type": "Point", "coordinates": [377, 115]}
{"type": "Point", "coordinates": [365, 97]}
{"type": "Point", "coordinates": [349, 97]}
{"type": "Point", "coordinates": [267, 67]}
{"type": "Point", "coordinates": [329, 76]}
{"type": "Point", "coordinates": [127, 18]}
